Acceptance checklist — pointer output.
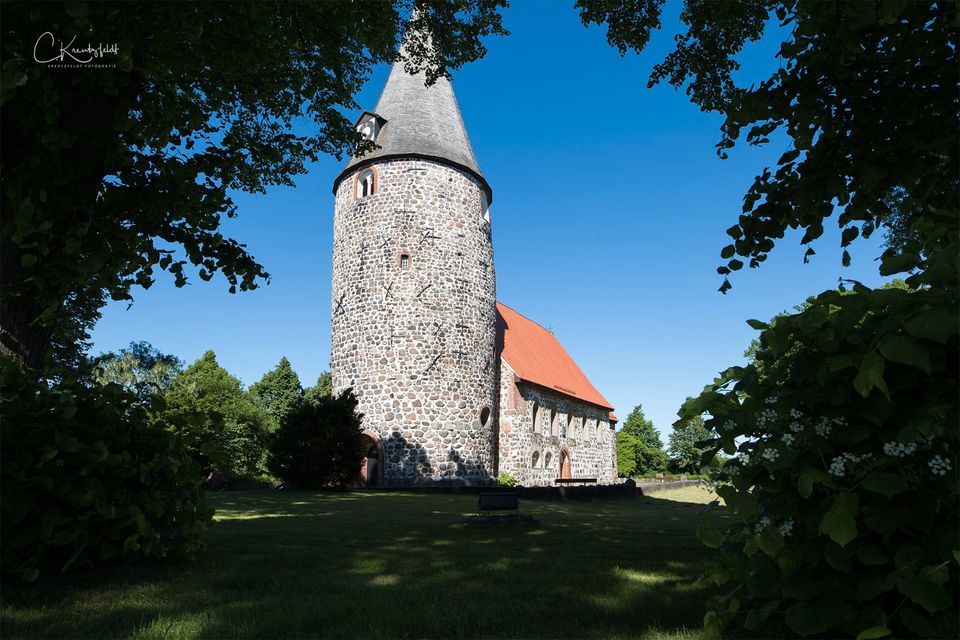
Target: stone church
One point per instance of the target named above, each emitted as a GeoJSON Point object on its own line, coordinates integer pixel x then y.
{"type": "Point", "coordinates": [454, 386]}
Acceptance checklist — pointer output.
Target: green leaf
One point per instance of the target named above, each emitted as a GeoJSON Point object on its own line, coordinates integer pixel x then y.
{"type": "Point", "coordinates": [874, 632]}
{"type": "Point", "coordinates": [771, 542]}
{"type": "Point", "coordinates": [710, 537]}
{"type": "Point", "coordinates": [839, 523]}
{"type": "Point", "coordinates": [807, 620]}
{"type": "Point", "coordinates": [872, 556]}
{"type": "Point", "coordinates": [892, 264]}
{"type": "Point", "coordinates": [870, 375]}
{"type": "Point", "coordinates": [928, 595]}
{"type": "Point", "coordinates": [886, 520]}
{"type": "Point", "coordinates": [889, 484]}
{"type": "Point", "coordinates": [28, 260]}
{"type": "Point", "coordinates": [759, 326]}
{"type": "Point", "coordinates": [29, 575]}
{"type": "Point", "coordinates": [905, 350]}
{"type": "Point", "coordinates": [935, 324]}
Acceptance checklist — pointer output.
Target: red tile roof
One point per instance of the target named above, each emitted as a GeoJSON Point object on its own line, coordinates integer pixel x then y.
{"type": "Point", "coordinates": [535, 356]}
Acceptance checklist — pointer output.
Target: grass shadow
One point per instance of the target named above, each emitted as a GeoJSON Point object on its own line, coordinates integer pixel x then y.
{"type": "Point", "coordinates": [289, 564]}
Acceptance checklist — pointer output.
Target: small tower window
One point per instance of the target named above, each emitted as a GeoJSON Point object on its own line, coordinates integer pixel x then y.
{"type": "Point", "coordinates": [404, 260]}
{"type": "Point", "coordinates": [485, 416]}
{"type": "Point", "coordinates": [366, 184]}
{"type": "Point", "coordinates": [535, 461]}
{"type": "Point", "coordinates": [548, 461]}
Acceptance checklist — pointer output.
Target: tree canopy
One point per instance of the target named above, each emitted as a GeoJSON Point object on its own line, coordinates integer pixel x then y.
{"type": "Point", "coordinates": [639, 448]}
{"type": "Point", "coordinates": [685, 444]}
{"type": "Point", "coordinates": [278, 392]}
{"type": "Point", "coordinates": [219, 421]}
{"type": "Point", "coordinates": [320, 444]}
{"type": "Point", "coordinates": [140, 368]}
{"type": "Point", "coordinates": [112, 175]}
{"type": "Point", "coordinates": [323, 388]}
{"type": "Point", "coordinates": [639, 426]}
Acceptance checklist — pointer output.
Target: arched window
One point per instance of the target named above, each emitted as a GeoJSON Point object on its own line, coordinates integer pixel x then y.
{"type": "Point", "coordinates": [484, 416]}
{"type": "Point", "coordinates": [554, 423]}
{"type": "Point", "coordinates": [535, 461]}
{"type": "Point", "coordinates": [567, 431]}
{"type": "Point", "coordinates": [536, 417]}
{"type": "Point", "coordinates": [548, 461]}
{"type": "Point", "coordinates": [366, 184]}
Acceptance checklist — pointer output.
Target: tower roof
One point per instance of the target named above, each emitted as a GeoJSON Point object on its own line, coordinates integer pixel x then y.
{"type": "Point", "coordinates": [420, 121]}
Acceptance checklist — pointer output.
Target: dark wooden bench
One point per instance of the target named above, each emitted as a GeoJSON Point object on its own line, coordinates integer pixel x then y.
{"type": "Point", "coordinates": [566, 481]}
{"type": "Point", "coordinates": [498, 501]}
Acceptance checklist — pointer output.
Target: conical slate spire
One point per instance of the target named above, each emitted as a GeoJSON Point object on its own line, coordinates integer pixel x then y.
{"type": "Point", "coordinates": [421, 121]}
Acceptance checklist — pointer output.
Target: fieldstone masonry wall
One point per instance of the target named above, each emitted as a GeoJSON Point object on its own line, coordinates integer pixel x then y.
{"type": "Point", "coordinates": [416, 338]}
{"type": "Point", "coordinates": [582, 430]}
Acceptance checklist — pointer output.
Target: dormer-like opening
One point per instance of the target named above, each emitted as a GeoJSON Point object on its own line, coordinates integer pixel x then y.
{"type": "Point", "coordinates": [369, 125]}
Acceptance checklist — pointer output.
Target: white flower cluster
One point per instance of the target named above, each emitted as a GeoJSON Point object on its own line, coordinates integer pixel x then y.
{"type": "Point", "coordinates": [744, 458]}
{"type": "Point", "coordinates": [825, 425]}
{"type": "Point", "coordinates": [939, 466]}
{"type": "Point", "coordinates": [789, 439]}
{"type": "Point", "coordinates": [796, 414]}
{"type": "Point", "coordinates": [796, 426]}
{"type": "Point", "coordinates": [841, 464]}
{"type": "Point", "coordinates": [786, 527]}
{"type": "Point", "coordinates": [762, 524]}
{"type": "Point", "coordinates": [899, 449]}
{"type": "Point", "coordinates": [770, 455]}
{"type": "Point", "coordinates": [772, 399]}
{"type": "Point", "coordinates": [766, 417]}
{"type": "Point", "coordinates": [726, 426]}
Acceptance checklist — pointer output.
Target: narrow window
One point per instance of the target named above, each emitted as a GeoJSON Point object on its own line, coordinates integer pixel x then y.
{"type": "Point", "coordinates": [536, 460]}
{"type": "Point", "coordinates": [404, 261]}
{"type": "Point", "coordinates": [536, 417]}
{"type": "Point", "coordinates": [365, 184]}
{"type": "Point", "coordinates": [554, 423]}
{"type": "Point", "coordinates": [484, 416]}
{"type": "Point", "coordinates": [548, 461]}
{"type": "Point", "coordinates": [586, 430]}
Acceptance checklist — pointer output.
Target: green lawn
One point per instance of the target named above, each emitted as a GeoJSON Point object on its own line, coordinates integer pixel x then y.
{"type": "Point", "coordinates": [374, 565]}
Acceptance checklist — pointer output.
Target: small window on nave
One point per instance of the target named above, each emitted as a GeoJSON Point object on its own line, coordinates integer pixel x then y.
{"type": "Point", "coordinates": [548, 461]}
{"type": "Point", "coordinates": [536, 417]}
{"type": "Point", "coordinates": [554, 423]}
{"type": "Point", "coordinates": [535, 461]}
{"type": "Point", "coordinates": [586, 430]}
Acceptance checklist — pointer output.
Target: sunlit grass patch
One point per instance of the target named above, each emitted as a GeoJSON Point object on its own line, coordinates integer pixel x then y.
{"type": "Point", "coordinates": [386, 565]}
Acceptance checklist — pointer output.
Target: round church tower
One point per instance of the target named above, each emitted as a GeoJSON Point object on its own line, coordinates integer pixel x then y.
{"type": "Point", "coordinates": [414, 292]}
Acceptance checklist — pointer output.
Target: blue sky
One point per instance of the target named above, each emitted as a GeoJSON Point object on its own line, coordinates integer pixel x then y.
{"type": "Point", "coordinates": [609, 213]}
